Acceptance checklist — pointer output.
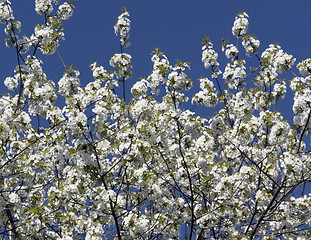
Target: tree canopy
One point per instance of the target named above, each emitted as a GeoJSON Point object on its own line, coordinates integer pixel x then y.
{"type": "Point", "coordinates": [96, 163]}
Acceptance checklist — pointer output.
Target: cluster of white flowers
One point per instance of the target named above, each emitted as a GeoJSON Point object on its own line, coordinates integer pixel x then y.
{"type": "Point", "coordinates": [24, 44]}
{"type": "Point", "coordinates": [279, 90]}
{"type": "Point", "coordinates": [140, 88]}
{"type": "Point", "coordinates": [122, 64]}
{"type": "Point", "coordinates": [43, 6]}
{"type": "Point", "coordinates": [69, 82]}
{"type": "Point", "coordinates": [240, 25]}
{"type": "Point", "coordinates": [12, 25]}
{"type": "Point", "coordinates": [6, 12]}
{"type": "Point", "coordinates": [266, 77]}
{"type": "Point", "coordinates": [99, 73]}
{"type": "Point", "coordinates": [250, 45]}
{"type": "Point", "coordinates": [177, 78]}
{"type": "Point", "coordinates": [242, 107]}
{"type": "Point", "coordinates": [49, 42]}
{"type": "Point", "coordinates": [207, 96]}
{"type": "Point", "coordinates": [11, 83]}
{"type": "Point", "coordinates": [122, 28]}
{"type": "Point", "coordinates": [76, 121]}
{"type": "Point", "coordinates": [304, 67]}
{"type": "Point", "coordinates": [279, 133]}
{"type": "Point", "coordinates": [298, 83]}
{"type": "Point", "coordinates": [276, 57]}
{"type": "Point", "coordinates": [301, 106]}
{"type": "Point", "coordinates": [231, 51]}
{"type": "Point", "coordinates": [65, 11]}
{"type": "Point", "coordinates": [209, 56]}
{"type": "Point", "coordinates": [161, 66]}
{"type": "Point", "coordinates": [235, 73]}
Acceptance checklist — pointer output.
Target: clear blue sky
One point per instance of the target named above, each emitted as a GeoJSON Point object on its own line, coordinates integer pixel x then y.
{"type": "Point", "coordinates": [176, 27]}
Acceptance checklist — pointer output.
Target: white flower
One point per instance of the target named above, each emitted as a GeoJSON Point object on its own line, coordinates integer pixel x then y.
{"type": "Point", "coordinates": [279, 133]}
{"type": "Point", "coordinates": [139, 88]}
{"type": "Point", "coordinates": [276, 57]}
{"type": "Point", "coordinates": [11, 83]}
{"type": "Point", "coordinates": [266, 77]}
{"type": "Point", "coordinates": [68, 83]}
{"type": "Point", "coordinates": [235, 73]}
{"type": "Point", "coordinates": [14, 198]}
{"type": "Point", "coordinates": [49, 42]}
{"type": "Point", "coordinates": [231, 51]}
{"type": "Point", "coordinates": [250, 45]}
{"type": "Point", "coordinates": [177, 78]}
{"type": "Point", "coordinates": [12, 25]}
{"type": "Point", "coordinates": [122, 64]}
{"type": "Point", "coordinates": [6, 12]}
{"type": "Point", "coordinates": [98, 72]}
{"type": "Point", "coordinates": [208, 96]}
{"type": "Point", "coordinates": [304, 67]}
{"type": "Point", "coordinates": [240, 26]}
{"type": "Point", "coordinates": [122, 28]}
{"type": "Point", "coordinates": [43, 6]}
{"type": "Point", "coordinates": [209, 56]}
{"type": "Point", "coordinates": [65, 11]}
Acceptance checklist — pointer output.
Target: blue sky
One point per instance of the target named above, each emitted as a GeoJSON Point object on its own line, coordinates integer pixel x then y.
{"type": "Point", "coordinates": [176, 27]}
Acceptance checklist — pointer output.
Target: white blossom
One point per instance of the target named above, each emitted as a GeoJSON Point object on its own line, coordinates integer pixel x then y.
{"type": "Point", "coordinates": [47, 37]}
{"type": "Point", "coordinates": [6, 12]}
{"type": "Point", "coordinates": [209, 56]}
{"type": "Point", "coordinates": [43, 6]}
{"type": "Point", "coordinates": [250, 45]}
{"type": "Point", "coordinates": [139, 88]}
{"type": "Point", "coordinates": [240, 26]}
{"type": "Point", "coordinates": [24, 44]}
{"type": "Point", "coordinates": [304, 67]}
{"type": "Point", "coordinates": [122, 64]}
{"type": "Point", "coordinates": [207, 96]}
{"type": "Point", "coordinates": [231, 51]}
{"type": "Point", "coordinates": [69, 82]}
{"type": "Point", "coordinates": [122, 28]}
{"type": "Point", "coordinates": [11, 83]}
{"type": "Point", "coordinates": [65, 10]}
{"type": "Point", "coordinates": [275, 56]}
{"type": "Point", "coordinates": [235, 73]}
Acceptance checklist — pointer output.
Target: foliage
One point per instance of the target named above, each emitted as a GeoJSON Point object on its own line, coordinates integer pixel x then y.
{"type": "Point", "coordinates": [104, 167]}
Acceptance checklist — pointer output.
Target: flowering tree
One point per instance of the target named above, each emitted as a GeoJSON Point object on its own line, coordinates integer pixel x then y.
{"type": "Point", "coordinates": [105, 166]}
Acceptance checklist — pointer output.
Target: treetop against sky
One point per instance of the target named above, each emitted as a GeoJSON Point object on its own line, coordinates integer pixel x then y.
{"type": "Point", "coordinates": [191, 151]}
{"type": "Point", "coordinates": [176, 27]}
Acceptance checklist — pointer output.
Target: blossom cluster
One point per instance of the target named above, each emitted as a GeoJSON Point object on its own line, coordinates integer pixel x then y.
{"type": "Point", "coordinates": [122, 27]}
{"type": "Point", "coordinates": [43, 6]}
{"type": "Point", "coordinates": [207, 96]}
{"type": "Point", "coordinates": [305, 67]}
{"type": "Point", "coordinates": [122, 64]}
{"type": "Point", "coordinates": [276, 57]}
{"type": "Point", "coordinates": [240, 25]}
{"type": "Point", "coordinates": [230, 51]}
{"type": "Point", "coordinates": [250, 45]}
{"type": "Point", "coordinates": [209, 56]}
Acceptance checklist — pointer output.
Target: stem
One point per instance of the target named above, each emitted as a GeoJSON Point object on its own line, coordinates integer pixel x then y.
{"type": "Point", "coordinates": [123, 78]}
{"type": "Point", "coordinates": [303, 131]}
{"type": "Point", "coordinates": [256, 227]}
{"type": "Point", "coordinates": [225, 100]}
{"type": "Point", "coordinates": [124, 89]}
